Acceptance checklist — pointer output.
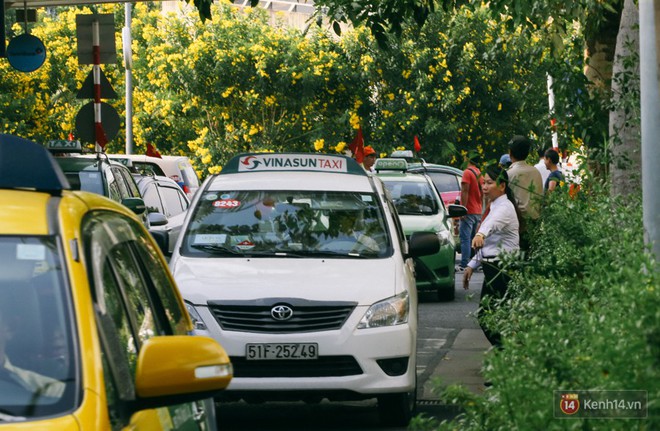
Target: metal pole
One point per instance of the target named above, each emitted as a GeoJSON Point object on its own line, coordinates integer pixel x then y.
{"type": "Point", "coordinates": [128, 63]}
{"type": "Point", "coordinates": [650, 122]}
{"type": "Point", "coordinates": [551, 108]}
{"type": "Point", "coordinates": [99, 133]}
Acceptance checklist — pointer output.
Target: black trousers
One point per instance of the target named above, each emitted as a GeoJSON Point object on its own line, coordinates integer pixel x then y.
{"type": "Point", "coordinates": [494, 287]}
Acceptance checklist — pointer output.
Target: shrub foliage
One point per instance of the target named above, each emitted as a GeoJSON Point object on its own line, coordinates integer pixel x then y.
{"type": "Point", "coordinates": [582, 313]}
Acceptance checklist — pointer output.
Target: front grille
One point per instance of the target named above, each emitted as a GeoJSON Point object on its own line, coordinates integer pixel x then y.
{"type": "Point", "coordinates": [324, 366]}
{"type": "Point", "coordinates": [308, 316]}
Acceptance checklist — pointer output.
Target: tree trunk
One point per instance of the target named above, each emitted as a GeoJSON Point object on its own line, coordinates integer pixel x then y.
{"type": "Point", "coordinates": [624, 128]}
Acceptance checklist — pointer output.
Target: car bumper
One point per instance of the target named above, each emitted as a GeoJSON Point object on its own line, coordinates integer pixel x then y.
{"type": "Point", "coordinates": [363, 362]}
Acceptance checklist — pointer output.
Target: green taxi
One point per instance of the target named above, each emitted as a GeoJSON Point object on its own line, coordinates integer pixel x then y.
{"type": "Point", "coordinates": [94, 334]}
{"type": "Point", "coordinates": [420, 208]}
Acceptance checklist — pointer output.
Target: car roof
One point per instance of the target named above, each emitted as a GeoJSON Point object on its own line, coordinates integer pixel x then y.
{"type": "Point", "coordinates": [431, 167]}
{"type": "Point", "coordinates": [81, 162]}
{"type": "Point", "coordinates": [160, 179]}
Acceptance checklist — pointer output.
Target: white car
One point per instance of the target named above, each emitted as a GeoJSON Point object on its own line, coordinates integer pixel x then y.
{"type": "Point", "coordinates": [299, 264]}
{"type": "Point", "coordinates": [178, 168]}
{"type": "Point", "coordinates": [166, 206]}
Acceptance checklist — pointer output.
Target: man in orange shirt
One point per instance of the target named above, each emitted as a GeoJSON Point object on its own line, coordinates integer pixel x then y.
{"type": "Point", "coordinates": [471, 198]}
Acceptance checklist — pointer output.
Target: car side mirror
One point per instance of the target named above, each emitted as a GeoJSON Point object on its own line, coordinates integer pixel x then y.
{"type": "Point", "coordinates": [423, 244]}
{"type": "Point", "coordinates": [157, 219]}
{"type": "Point", "coordinates": [456, 211]}
{"type": "Point", "coordinates": [203, 371]}
{"type": "Point", "coordinates": [162, 239]}
{"type": "Point", "coordinates": [135, 204]}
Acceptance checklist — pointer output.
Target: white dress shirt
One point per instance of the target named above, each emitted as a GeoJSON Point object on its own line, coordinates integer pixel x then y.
{"type": "Point", "coordinates": [500, 229]}
{"type": "Point", "coordinates": [543, 170]}
{"type": "Point", "coordinates": [35, 382]}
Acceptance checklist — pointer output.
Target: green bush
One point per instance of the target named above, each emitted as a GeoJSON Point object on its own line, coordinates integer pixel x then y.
{"type": "Point", "coordinates": [582, 313]}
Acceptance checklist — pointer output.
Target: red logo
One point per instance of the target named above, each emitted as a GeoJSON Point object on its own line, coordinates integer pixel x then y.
{"type": "Point", "coordinates": [569, 404]}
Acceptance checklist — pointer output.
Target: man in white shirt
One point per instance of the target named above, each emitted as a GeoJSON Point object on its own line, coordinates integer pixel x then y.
{"type": "Point", "coordinates": [541, 166]}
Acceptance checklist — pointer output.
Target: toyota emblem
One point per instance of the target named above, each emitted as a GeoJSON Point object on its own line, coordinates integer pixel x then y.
{"type": "Point", "coordinates": [281, 312]}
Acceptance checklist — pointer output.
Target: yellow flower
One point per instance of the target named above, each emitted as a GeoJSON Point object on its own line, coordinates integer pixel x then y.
{"type": "Point", "coordinates": [318, 144]}
{"type": "Point", "coordinates": [499, 106]}
{"type": "Point", "coordinates": [340, 147]}
{"type": "Point", "coordinates": [214, 170]}
{"type": "Point", "coordinates": [227, 92]}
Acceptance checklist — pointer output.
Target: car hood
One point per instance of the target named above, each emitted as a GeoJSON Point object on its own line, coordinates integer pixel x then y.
{"type": "Point", "coordinates": [419, 223]}
{"type": "Point", "coordinates": [364, 281]}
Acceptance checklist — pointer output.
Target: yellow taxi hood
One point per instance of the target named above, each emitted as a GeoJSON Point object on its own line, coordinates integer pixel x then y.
{"type": "Point", "coordinates": [364, 280]}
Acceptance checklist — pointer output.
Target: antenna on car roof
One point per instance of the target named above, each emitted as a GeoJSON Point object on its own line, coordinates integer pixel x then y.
{"type": "Point", "coordinates": [27, 165]}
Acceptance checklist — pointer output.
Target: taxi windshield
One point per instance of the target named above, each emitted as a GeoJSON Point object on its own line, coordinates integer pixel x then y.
{"type": "Point", "coordinates": [412, 198]}
{"type": "Point", "coordinates": [287, 224]}
{"type": "Point", "coordinates": [37, 370]}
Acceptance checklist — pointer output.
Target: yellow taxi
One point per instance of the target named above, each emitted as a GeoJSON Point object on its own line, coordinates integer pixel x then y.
{"type": "Point", "coordinates": [94, 334]}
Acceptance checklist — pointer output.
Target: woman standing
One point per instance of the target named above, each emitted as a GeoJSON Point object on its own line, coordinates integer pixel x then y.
{"type": "Point", "coordinates": [497, 234]}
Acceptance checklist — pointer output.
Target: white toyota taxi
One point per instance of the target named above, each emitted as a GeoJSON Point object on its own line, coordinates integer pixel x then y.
{"type": "Point", "coordinates": [299, 265]}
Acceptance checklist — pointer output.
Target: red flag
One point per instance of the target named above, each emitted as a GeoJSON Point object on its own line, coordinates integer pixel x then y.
{"type": "Point", "coordinates": [357, 146]}
{"type": "Point", "coordinates": [418, 146]}
{"type": "Point", "coordinates": [153, 152]}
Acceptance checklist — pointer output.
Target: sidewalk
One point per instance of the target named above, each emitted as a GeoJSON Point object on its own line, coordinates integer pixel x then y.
{"type": "Point", "coordinates": [462, 363]}
{"type": "Point", "coordinates": [465, 353]}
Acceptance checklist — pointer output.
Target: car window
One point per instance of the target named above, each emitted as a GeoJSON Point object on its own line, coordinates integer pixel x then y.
{"type": "Point", "coordinates": [114, 186]}
{"type": "Point", "coordinates": [152, 199]}
{"type": "Point", "coordinates": [88, 181]}
{"type": "Point", "coordinates": [134, 300]}
{"type": "Point", "coordinates": [237, 223]}
{"type": "Point", "coordinates": [133, 189]}
{"type": "Point", "coordinates": [121, 183]}
{"type": "Point", "coordinates": [189, 175]}
{"type": "Point", "coordinates": [412, 198]}
{"type": "Point", "coordinates": [445, 182]}
{"type": "Point", "coordinates": [175, 201]}
{"type": "Point", "coordinates": [38, 375]}
{"type": "Point", "coordinates": [148, 169]}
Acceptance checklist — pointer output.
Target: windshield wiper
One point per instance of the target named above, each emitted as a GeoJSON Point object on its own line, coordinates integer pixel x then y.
{"type": "Point", "coordinates": [223, 249]}
{"type": "Point", "coordinates": [216, 248]}
{"type": "Point", "coordinates": [329, 253]}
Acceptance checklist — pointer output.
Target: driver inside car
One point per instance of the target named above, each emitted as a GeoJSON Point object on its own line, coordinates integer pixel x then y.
{"type": "Point", "coordinates": [28, 380]}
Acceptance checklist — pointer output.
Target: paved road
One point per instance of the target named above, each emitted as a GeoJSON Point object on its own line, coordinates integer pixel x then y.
{"type": "Point", "coordinates": [450, 350]}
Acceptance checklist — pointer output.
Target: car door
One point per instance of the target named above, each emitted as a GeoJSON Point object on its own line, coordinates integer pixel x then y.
{"type": "Point", "coordinates": [134, 301]}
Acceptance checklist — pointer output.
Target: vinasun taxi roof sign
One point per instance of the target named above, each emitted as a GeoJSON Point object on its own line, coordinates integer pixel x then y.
{"type": "Point", "coordinates": [283, 162]}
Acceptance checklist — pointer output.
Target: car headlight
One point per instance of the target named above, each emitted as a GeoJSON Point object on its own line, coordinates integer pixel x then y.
{"type": "Point", "coordinates": [445, 237]}
{"type": "Point", "coordinates": [389, 312]}
{"type": "Point", "coordinates": [198, 323]}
